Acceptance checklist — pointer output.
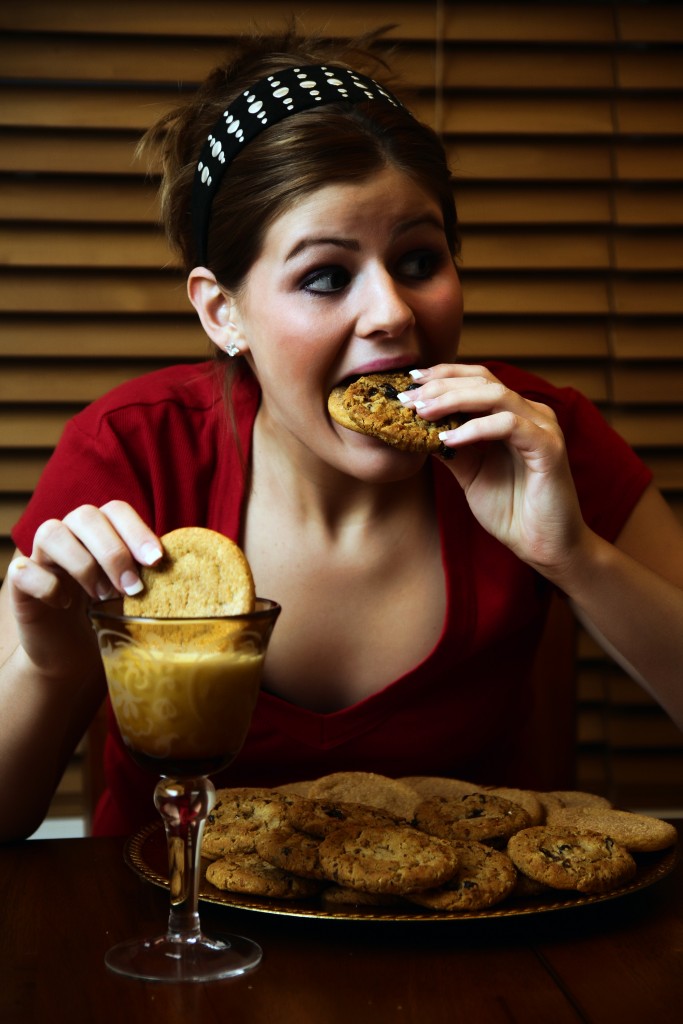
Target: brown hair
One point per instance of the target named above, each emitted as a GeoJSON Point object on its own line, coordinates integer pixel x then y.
{"type": "Point", "coordinates": [334, 143]}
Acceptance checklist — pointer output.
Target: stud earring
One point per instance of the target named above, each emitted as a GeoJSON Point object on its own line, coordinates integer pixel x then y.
{"type": "Point", "coordinates": [232, 348]}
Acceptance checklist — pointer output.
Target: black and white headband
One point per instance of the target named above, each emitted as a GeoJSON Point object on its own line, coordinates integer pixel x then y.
{"type": "Point", "coordinates": [263, 104]}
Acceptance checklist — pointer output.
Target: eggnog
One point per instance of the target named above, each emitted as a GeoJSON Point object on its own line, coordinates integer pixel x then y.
{"type": "Point", "coordinates": [182, 712]}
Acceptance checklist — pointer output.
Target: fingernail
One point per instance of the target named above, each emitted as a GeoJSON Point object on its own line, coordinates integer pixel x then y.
{"type": "Point", "coordinates": [444, 435]}
{"type": "Point", "coordinates": [104, 591]}
{"type": "Point", "coordinates": [150, 553]}
{"type": "Point", "coordinates": [416, 374]}
{"type": "Point", "coordinates": [131, 583]}
{"type": "Point", "coordinates": [420, 405]}
{"type": "Point", "coordinates": [404, 396]}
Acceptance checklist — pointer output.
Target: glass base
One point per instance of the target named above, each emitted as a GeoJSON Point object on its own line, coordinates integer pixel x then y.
{"type": "Point", "coordinates": [197, 959]}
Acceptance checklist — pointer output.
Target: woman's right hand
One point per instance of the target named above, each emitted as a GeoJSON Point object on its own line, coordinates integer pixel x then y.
{"type": "Point", "coordinates": [90, 555]}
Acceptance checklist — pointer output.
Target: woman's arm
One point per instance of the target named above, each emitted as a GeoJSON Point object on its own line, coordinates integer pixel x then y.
{"type": "Point", "coordinates": [511, 462]}
{"type": "Point", "coordinates": [51, 678]}
{"type": "Point", "coordinates": [629, 596]}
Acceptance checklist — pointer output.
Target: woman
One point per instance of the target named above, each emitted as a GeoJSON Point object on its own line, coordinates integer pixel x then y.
{"type": "Point", "coordinates": [315, 220]}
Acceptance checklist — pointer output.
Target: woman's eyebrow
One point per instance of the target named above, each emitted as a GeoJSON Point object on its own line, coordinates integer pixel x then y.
{"type": "Point", "coordinates": [423, 220]}
{"type": "Point", "coordinates": [307, 243]}
{"type": "Point", "coordinates": [351, 244]}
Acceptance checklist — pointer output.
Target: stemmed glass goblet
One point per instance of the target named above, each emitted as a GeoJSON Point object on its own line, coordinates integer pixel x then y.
{"type": "Point", "coordinates": [183, 692]}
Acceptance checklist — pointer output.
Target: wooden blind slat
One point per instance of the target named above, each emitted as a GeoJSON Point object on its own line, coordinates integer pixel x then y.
{"type": "Point", "coordinates": [68, 152]}
{"type": "Point", "coordinates": [48, 384]}
{"type": "Point", "coordinates": [20, 472]}
{"type": "Point", "coordinates": [35, 427]}
{"type": "Point", "coordinates": [76, 200]}
{"type": "Point", "coordinates": [647, 206]}
{"type": "Point", "coordinates": [62, 246]}
{"type": "Point", "coordinates": [643, 250]}
{"type": "Point", "coordinates": [487, 339]}
{"type": "Point", "coordinates": [105, 337]}
{"type": "Point", "coordinates": [647, 385]}
{"type": "Point", "coordinates": [642, 116]}
{"type": "Point", "coordinates": [61, 292]}
{"type": "Point", "coordinates": [532, 250]}
{"type": "Point", "coordinates": [529, 294]}
{"type": "Point", "coordinates": [649, 428]}
{"type": "Point", "coordinates": [552, 205]}
{"type": "Point", "coordinates": [653, 296]}
{"type": "Point", "coordinates": [211, 17]}
{"type": "Point", "coordinates": [658, 161]}
{"type": "Point", "coordinates": [650, 22]}
{"type": "Point", "coordinates": [652, 341]}
{"type": "Point", "coordinates": [513, 160]}
{"type": "Point", "coordinates": [652, 70]}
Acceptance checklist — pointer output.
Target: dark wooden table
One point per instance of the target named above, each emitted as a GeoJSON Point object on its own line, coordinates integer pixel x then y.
{"type": "Point", "coordinates": [64, 902]}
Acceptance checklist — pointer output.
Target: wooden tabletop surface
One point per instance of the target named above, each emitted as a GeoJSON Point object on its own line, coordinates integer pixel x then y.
{"type": "Point", "coordinates": [63, 903]}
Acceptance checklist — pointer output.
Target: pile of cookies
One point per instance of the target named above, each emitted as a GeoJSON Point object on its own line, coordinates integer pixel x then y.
{"type": "Point", "coordinates": [358, 838]}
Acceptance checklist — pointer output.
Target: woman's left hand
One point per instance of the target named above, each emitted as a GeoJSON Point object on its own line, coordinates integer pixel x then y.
{"type": "Point", "coordinates": [510, 460]}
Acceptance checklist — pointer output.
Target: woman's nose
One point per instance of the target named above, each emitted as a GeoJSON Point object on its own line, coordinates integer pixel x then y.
{"type": "Point", "coordinates": [384, 310]}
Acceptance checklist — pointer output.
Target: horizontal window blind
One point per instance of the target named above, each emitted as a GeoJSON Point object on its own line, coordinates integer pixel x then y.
{"type": "Point", "coordinates": [564, 126]}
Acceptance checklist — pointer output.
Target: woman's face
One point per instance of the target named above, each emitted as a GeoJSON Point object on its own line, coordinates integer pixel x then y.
{"type": "Point", "coordinates": [356, 278]}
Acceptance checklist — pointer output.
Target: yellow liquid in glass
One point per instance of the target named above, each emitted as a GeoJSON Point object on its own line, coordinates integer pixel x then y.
{"type": "Point", "coordinates": [185, 706]}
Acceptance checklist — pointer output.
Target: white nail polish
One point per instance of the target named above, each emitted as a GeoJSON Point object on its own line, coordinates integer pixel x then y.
{"type": "Point", "coordinates": [416, 374]}
{"type": "Point", "coordinates": [420, 405]}
{"type": "Point", "coordinates": [404, 396]}
{"type": "Point", "coordinates": [443, 436]}
{"type": "Point", "coordinates": [151, 553]}
{"type": "Point", "coordinates": [131, 584]}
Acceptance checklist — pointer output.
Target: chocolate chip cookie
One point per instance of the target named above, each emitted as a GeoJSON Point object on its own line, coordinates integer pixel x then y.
{"type": "Point", "coordinates": [370, 405]}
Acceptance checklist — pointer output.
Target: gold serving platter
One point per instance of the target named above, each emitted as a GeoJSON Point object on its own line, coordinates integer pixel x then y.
{"type": "Point", "coordinates": [145, 852]}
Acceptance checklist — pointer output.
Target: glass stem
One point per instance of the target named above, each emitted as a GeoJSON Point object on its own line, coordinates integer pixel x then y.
{"type": "Point", "coordinates": [184, 805]}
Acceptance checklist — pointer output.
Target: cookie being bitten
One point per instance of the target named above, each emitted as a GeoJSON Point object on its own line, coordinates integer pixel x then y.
{"type": "Point", "coordinates": [370, 405]}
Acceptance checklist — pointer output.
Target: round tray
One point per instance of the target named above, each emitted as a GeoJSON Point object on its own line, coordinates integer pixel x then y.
{"type": "Point", "coordinates": [145, 852]}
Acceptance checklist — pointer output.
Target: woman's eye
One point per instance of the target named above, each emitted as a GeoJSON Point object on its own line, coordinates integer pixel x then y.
{"type": "Point", "coordinates": [329, 279]}
{"type": "Point", "coordinates": [421, 264]}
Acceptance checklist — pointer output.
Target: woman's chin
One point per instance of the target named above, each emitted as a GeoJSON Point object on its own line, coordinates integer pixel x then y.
{"type": "Point", "coordinates": [376, 462]}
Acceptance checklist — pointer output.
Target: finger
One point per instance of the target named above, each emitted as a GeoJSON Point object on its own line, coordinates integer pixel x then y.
{"type": "Point", "coordinates": [142, 542]}
{"type": "Point", "coordinates": [30, 583]}
{"type": "Point", "coordinates": [443, 371]}
{"type": "Point", "coordinates": [108, 551]}
{"type": "Point", "coordinates": [472, 396]}
{"type": "Point", "coordinates": [541, 445]}
{"type": "Point", "coordinates": [87, 548]}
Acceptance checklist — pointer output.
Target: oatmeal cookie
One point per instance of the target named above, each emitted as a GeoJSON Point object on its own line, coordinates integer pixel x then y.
{"type": "Point", "coordinates": [526, 798]}
{"type": "Point", "coordinates": [483, 878]}
{"type": "Point", "coordinates": [637, 832]}
{"type": "Point", "coordinates": [320, 817]}
{"type": "Point", "coordinates": [478, 815]}
{"type": "Point", "coordinates": [291, 850]}
{"type": "Point", "coordinates": [435, 785]}
{"type": "Point", "coordinates": [563, 857]}
{"type": "Point", "coordinates": [366, 788]}
{"type": "Point", "coordinates": [249, 873]}
{"type": "Point", "coordinates": [578, 798]}
{"type": "Point", "coordinates": [239, 815]}
{"type": "Point", "coordinates": [202, 573]}
{"type": "Point", "coordinates": [370, 405]}
{"type": "Point", "coordinates": [386, 859]}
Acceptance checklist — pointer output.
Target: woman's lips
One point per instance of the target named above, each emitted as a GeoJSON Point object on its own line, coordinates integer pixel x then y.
{"type": "Point", "coordinates": [376, 367]}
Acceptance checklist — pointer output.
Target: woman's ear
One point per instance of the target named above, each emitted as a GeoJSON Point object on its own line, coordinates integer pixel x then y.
{"type": "Point", "coordinates": [216, 310]}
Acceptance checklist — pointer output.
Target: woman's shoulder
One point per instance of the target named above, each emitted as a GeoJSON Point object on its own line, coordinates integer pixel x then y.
{"type": "Point", "coordinates": [178, 392]}
{"type": "Point", "coordinates": [185, 384]}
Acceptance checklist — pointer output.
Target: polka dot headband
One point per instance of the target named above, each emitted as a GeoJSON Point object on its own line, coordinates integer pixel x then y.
{"type": "Point", "coordinates": [265, 103]}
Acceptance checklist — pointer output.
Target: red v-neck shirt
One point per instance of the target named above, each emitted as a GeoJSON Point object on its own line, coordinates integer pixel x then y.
{"type": "Point", "coordinates": [163, 443]}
